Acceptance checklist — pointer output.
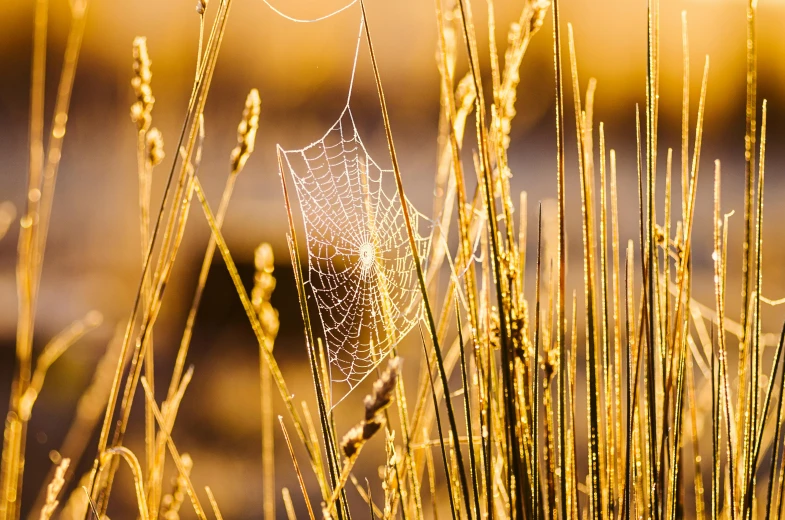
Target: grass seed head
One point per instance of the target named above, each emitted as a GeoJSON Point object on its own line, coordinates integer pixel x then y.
{"type": "Point", "coordinates": [155, 146]}
{"type": "Point", "coordinates": [352, 441]}
{"type": "Point", "coordinates": [263, 258]}
{"type": "Point", "coordinates": [382, 394]}
{"type": "Point", "coordinates": [143, 106]}
{"type": "Point", "coordinates": [173, 501]}
{"type": "Point", "coordinates": [264, 285]}
{"type": "Point", "coordinates": [53, 490]}
{"type": "Point", "coordinates": [355, 438]}
{"type": "Point", "coordinates": [539, 10]}
{"type": "Point", "coordinates": [374, 425]}
{"type": "Point", "coordinates": [246, 131]}
{"type": "Point", "coordinates": [375, 403]}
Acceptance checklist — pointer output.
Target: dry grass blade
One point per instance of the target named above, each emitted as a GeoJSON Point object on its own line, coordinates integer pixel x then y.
{"type": "Point", "coordinates": [265, 351]}
{"type": "Point", "coordinates": [52, 351]}
{"type": "Point", "coordinates": [136, 470]}
{"type": "Point", "coordinates": [178, 460]}
{"type": "Point", "coordinates": [442, 444]}
{"type": "Point", "coordinates": [775, 443]}
{"type": "Point", "coordinates": [264, 285]}
{"type": "Point", "coordinates": [453, 425]}
{"type": "Point", "coordinates": [288, 506]}
{"type": "Point", "coordinates": [749, 160]}
{"type": "Point", "coordinates": [652, 345]}
{"type": "Point", "coordinates": [320, 389]}
{"type": "Point", "coordinates": [631, 380]}
{"type": "Point", "coordinates": [213, 503]}
{"type": "Point", "coordinates": [414, 251]}
{"type": "Point", "coordinates": [32, 237]}
{"type": "Point", "coordinates": [296, 468]}
{"type": "Point", "coordinates": [376, 405]}
{"type": "Point", "coordinates": [514, 462]}
{"type": "Point", "coordinates": [592, 365]}
{"type": "Point", "coordinates": [536, 369]}
{"type": "Point", "coordinates": [675, 463]}
{"type": "Point", "coordinates": [467, 412]}
{"type": "Point", "coordinates": [560, 323]}
{"type": "Point", "coordinates": [193, 116]}
{"type": "Point", "coordinates": [365, 494]}
{"type": "Point", "coordinates": [246, 135]}
{"type": "Point", "coordinates": [755, 435]}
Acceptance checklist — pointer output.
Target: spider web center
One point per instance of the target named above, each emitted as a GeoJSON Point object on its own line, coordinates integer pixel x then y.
{"type": "Point", "coordinates": [361, 265]}
{"type": "Point", "coordinates": [367, 256]}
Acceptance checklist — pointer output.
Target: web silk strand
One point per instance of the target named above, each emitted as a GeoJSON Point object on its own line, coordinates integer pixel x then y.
{"type": "Point", "coordinates": [301, 20]}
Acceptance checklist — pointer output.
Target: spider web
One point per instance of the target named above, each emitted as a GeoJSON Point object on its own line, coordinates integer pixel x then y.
{"type": "Point", "coordinates": [362, 272]}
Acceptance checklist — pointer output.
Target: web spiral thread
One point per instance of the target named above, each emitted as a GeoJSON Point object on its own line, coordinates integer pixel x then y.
{"type": "Point", "coordinates": [361, 270]}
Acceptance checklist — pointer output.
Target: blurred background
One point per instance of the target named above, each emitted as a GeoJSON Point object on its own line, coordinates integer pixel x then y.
{"type": "Point", "coordinates": [302, 72]}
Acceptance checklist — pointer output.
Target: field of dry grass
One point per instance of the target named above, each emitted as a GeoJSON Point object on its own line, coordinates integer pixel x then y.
{"type": "Point", "coordinates": [609, 351]}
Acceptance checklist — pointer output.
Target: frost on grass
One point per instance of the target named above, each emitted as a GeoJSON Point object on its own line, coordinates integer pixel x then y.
{"type": "Point", "coordinates": [362, 272]}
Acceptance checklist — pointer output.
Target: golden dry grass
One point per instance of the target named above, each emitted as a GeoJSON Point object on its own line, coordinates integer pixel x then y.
{"type": "Point", "coordinates": [683, 404]}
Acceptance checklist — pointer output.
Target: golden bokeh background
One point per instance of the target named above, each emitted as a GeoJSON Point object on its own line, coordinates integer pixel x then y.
{"type": "Point", "coordinates": [302, 72]}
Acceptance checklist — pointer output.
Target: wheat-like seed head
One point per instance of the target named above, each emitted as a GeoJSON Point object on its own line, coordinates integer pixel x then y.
{"type": "Point", "coordinates": [246, 131]}
{"type": "Point", "coordinates": [539, 10]}
{"type": "Point", "coordinates": [375, 403]}
{"type": "Point", "coordinates": [154, 141]}
{"type": "Point", "coordinates": [173, 502]}
{"type": "Point", "coordinates": [359, 434]}
{"type": "Point", "coordinates": [264, 285]}
{"type": "Point", "coordinates": [382, 390]}
{"type": "Point", "coordinates": [143, 106]}
{"type": "Point", "coordinates": [53, 490]}
{"type": "Point", "coordinates": [263, 258]}
{"type": "Point", "coordinates": [352, 441]}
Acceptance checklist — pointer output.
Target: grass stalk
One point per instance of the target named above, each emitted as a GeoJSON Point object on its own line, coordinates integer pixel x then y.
{"type": "Point", "coordinates": [442, 444]}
